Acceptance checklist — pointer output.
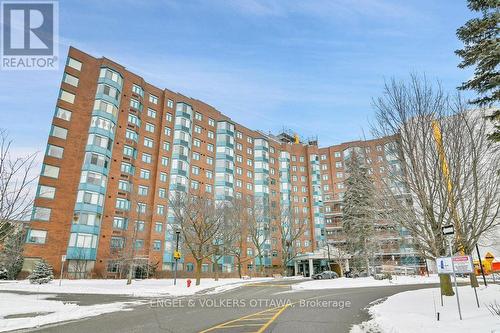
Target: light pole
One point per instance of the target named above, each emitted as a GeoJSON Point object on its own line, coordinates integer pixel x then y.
{"type": "Point", "coordinates": [176, 254]}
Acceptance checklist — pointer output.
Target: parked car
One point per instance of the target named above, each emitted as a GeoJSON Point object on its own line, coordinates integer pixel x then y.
{"type": "Point", "coordinates": [325, 275]}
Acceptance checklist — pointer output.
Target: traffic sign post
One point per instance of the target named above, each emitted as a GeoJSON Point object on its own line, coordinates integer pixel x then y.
{"type": "Point", "coordinates": [63, 259]}
{"type": "Point", "coordinates": [177, 255]}
{"type": "Point", "coordinates": [455, 279]}
{"type": "Point", "coordinates": [444, 264]}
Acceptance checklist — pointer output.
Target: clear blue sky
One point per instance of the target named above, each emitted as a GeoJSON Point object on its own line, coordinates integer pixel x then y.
{"type": "Point", "coordinates": [312, 66]}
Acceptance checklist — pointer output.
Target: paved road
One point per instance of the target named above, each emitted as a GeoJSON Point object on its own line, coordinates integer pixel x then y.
{"type": "Point", "coordinates": [262, 307]}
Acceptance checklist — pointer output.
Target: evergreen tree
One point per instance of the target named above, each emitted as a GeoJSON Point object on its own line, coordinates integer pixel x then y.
{"type": "Point", "coordinates": [42, 273]}
{"type": "Point", "coordinates": [11, 255]}
{"type": "Point", "coordinates": [481, 40]}
{"type": "Point", "coordinates": [359, 212]}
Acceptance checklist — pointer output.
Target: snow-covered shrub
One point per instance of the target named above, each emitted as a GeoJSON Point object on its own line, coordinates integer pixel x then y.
{"type": "Point", "coordinates": [42, 273]}
{"type": "Point", "coordinates": [4, 274]}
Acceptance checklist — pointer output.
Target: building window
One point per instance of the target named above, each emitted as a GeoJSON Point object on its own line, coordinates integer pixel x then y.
{"type": "Point", "coordinates": [137, 90]}
{"type": "Point", "coordinates": [151, 113]}
{"type": "Point", "coordinates": [87, 219]}
{"type": "Point", "coordinates": [157, 245]}
{"type": "Point", "coordinates": [211, 135]}
{"type": "Point", "coordinates": [122, 204]}
{"type": "Point", "coordinates": [153, 99]}
{"type": "Point", "coordinates": [158, 227]}
{"type": "Point", "coordinates": [36, 236]}
{"type": "Point", "coordinates": [128, 151]}
{"type": "Point", "coordinates": [164, 161]}
{"type": "Point", "coordinates": [75, 64]}
{"type": "Point", "coordinates": [142, 190]}
{"type": "Point", "coordinates": [96, 159]}
{"type": "Point", "coordinates": [83, 240]}
{"type": "Point", "coordinates": [131, 135]}
{"type": "Point", "coordinates": [163, 177]}
{"type": "Point", "coordinates": [70, 79]}
{"type": "Point", "coordinates": [145, 174]}
{"type": "Point", "coordinates": [89, 198]}
{"type": "Point", "coordinates": [146, 158]}
{"type": "Point", "coordinates": [55, 151]}
{"type": "Point", "coordinates": [41, 213]}
{"type": "Point", "coordinates": [160, 209]}
{"type": "Point", "coordinates": [117, 242]}
{"type": "Point", "coordinates": [337, 154]}
{"type": "Point", "coordinates": [211, 122]}
{"type": "Point", "coordinates": [150, 127]}
{"type": "Point", "coordinates": [50, 171]}
{"type": "Point", "coordinates": [139, 225]}
{"type": "Point", "coordinates": [148, 142]}
{"type": "Point", "coordinates": [195, 185]}
{"type": "Point", "coordinates": [127, 168]}
{"type": "Point", "coordinates": [338, 164]}
{"type": "Point", "coordinates": [119, 223]}
{"type": "Point", "coordinates": [124, 185]}
{"type": "Point", "coordinates": [47, 192]}
{"type": "Point", "coordinates": [110, 75]}
{"type": "Point", "coordinates": [67, 96]}
{"type": "Point", "coordinates": [63, 114]}
{"type": "Point", "coordinates": [170, 104]}
{"type": "Point", "coordinates": [168, 131]}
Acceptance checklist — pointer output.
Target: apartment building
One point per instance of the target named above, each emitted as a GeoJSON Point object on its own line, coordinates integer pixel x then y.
{"type": "Point", "coordinates": [118, 146]}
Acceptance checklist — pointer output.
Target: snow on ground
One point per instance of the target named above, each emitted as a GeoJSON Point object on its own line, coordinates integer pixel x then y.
{"type": "Point", "coordinates": [139, 288]}
{"type": "Point", "coordinates": [35, 310]}
{"type": "Point", "coordinates": [365, 282]}
{"type": "Point", "coordinates": [415, 312]}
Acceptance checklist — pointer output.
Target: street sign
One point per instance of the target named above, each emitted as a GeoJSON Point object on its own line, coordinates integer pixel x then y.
{"type": "Point", "coordinates": [444, 265]}
{"type": "Point", "coordinates": [463, 264]}
{"type": "Point", "coordinates": [177, 255]}
{"type": "Point", "coordinates": [448, 230]}
{"type": "Point", "coordinates": [63, 258]}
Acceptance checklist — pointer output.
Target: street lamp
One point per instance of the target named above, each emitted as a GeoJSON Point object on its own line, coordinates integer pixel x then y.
{"type": "Point", "coordinates": [176, 254]}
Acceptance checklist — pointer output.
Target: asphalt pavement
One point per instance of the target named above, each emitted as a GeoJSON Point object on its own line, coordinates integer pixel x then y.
{"type": "Point", "coordinates": [260, 307]}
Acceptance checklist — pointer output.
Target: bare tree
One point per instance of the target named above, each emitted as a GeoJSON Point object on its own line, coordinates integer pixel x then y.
{"type": "Point", "coordinates": [258, 229]}
{"type": "Point", "coordinates": [16, 180]}
{"type": "Point", "coordinates": [125, 254]}
{"type": "Point", "coordinates": [228, 240]}
{"type": "Point", "coordinates": [199, 219]}
{"type": "Point", "coordinates": [240, 209]}
{"type": "Point", "coordinates": [441, 168]}
{"type": "Point", "coordinates": [291, 228]}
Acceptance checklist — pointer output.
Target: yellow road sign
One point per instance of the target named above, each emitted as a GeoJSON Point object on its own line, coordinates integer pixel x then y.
{"type": "Point", "coordinates": [177, 255]}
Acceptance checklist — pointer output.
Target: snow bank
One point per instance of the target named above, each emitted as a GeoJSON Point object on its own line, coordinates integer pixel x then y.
{"type": "Point", "coordinates": [140, 288]}
{"type": "Point", "coordinates": [27, 306]}
{"type": "Point", "coordinates": [415, 312]}
{"type": "Point", "coordinates": [364, 282]}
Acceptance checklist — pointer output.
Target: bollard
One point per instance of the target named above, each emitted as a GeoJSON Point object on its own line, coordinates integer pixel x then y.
{"type": "Point", "coordinates": [188, 282]}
